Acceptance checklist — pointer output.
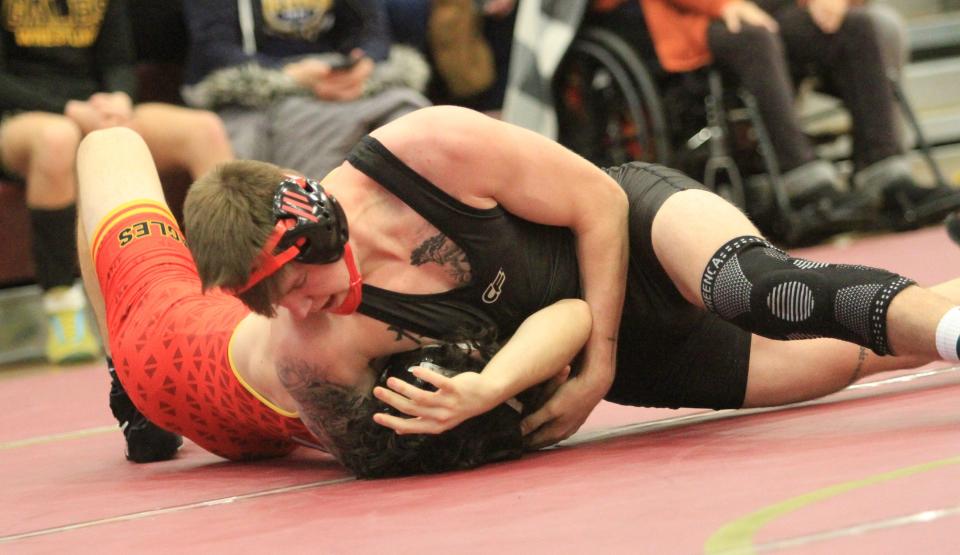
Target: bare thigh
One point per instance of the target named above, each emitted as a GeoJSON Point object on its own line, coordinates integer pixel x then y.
{"type": "Point", "coordinates": [21, 135]}
{"type": "Point", "coordinates": [181, 138]}
{"type": "Point", "coordinates": [114, 167]}
{"type": "Point", "coordinates": [688, 230]}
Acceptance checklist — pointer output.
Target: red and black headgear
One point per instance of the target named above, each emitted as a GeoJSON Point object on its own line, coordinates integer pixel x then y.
{"type": "Point", "coordinates": [311, 228]}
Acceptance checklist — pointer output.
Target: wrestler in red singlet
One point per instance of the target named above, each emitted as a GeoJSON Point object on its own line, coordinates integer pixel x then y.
{"type": "Point", "coordinates": [170, 342]}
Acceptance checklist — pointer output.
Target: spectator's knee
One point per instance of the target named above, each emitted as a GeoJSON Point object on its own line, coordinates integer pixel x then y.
{"type": "Point", "coordinates": [757, 39]}
{"type": "Point", "coordinates": [56, 142]}
{"type": "Point", "coordinates": [858, 27]}
{"type": "Point", "coordinates": [752, 44]}
{"type": "Point", "coordinates": [209, 130]}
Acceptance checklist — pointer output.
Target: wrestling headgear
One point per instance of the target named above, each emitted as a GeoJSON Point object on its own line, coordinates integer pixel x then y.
{"type": "Point", "coordinates": [311, 228]}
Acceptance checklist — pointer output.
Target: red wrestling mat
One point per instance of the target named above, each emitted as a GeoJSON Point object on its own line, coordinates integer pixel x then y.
{"type": "Point", "coordinates": [873, 469]}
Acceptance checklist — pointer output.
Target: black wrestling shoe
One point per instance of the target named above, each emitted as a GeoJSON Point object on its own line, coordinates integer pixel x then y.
{"type": "Point", "coordinates": [146, 442]}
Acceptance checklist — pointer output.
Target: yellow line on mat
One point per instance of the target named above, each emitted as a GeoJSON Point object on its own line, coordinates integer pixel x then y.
{"type": "Point", "coordinates": [737, 536]}
{"type": "Point", "coordinates": [76, 434]}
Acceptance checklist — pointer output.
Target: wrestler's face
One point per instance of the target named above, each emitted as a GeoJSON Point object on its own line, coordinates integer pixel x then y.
{"type": "Point", "coordinates": [308, 289]}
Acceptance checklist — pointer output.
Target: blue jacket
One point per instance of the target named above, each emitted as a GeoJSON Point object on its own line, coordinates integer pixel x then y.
{"type": "Point", "coordinates": [279, 33]}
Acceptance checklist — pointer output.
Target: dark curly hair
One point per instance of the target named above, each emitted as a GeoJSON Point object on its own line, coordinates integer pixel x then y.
{"type": "Point", "coordinates": [370, 450]}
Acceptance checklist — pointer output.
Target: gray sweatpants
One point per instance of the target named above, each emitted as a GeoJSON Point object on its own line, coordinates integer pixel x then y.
{"type": "Point", "coordinates": [309, 135]}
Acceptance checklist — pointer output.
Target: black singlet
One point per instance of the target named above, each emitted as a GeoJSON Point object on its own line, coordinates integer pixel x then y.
{"type": "Point", "coordinates": [517, 266]}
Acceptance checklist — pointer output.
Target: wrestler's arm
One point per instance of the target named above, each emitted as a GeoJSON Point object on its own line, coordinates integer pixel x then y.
{"type": "Point", "coordinates": [483, 162]}
{"type": "Point", "coordinates": [541, 348]}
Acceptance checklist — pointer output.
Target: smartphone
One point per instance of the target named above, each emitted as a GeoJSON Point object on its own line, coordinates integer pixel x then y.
{"type": "Point", "coordinates": [344, 63]}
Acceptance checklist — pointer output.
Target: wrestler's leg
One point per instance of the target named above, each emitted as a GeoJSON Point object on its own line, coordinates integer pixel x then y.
{"type": "Point", "coordinates": [693, 225]}
{"type": "Point", "coordinates": [791, 371]}
{"type": "Point", "coordinates": [92, 285]}
{"type": "Point", "coordinates": [114, 167]}
{"type": "Point", "coordinates": [182, 138]}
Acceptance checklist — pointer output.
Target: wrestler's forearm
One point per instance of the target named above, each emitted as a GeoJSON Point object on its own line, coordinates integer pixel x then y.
{"type": "Point", "coordinates": [602, 250]}
{"type": "Point", "coordinates": [540, 349]}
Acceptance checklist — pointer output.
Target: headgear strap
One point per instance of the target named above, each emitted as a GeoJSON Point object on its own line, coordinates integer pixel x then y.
{"type": "Point", "coordinates": [311, 228]}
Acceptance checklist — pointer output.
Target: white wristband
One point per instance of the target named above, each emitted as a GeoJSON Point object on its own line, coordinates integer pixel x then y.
{"type": "Point", "coordinates": [948, 335]}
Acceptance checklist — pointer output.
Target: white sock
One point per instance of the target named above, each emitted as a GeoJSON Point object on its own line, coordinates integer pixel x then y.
{"type": "Point", "coordinates": [60, 299]}
{"type": "Point", "coordinates": [948, 335]}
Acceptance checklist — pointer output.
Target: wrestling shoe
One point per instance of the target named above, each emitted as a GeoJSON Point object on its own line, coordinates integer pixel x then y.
{"type": "Point", "coordinates": [146, 442]}
{"type": "Point", "coordinates": [70, 338]}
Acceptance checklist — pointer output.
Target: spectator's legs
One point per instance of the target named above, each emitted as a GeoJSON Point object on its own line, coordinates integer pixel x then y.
{"type": "Point", "coordinates": [194, 140]}
{"type": "Point", "coordinates": [314, 137]}
{"type": "Point", "coordinates": [895, 49]}
{"type": "Point", "coordinates": [42, 147]}
{"type": "Point", "coordinates": [853, 60]}
{"type": "Point", "coordinates": [757, 58]}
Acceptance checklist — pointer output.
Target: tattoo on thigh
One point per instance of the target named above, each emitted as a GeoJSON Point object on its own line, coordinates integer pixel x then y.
{"type": "Point", "coordinates": [439, 250]}
{"type": "Point", "coordinates": [861, 358]}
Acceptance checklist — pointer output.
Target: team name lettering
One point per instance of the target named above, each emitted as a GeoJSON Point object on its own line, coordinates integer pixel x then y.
{"type": "Point", "coordinates": [146, 228]}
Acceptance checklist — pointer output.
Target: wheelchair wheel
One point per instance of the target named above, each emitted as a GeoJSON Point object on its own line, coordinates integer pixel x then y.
{"type": "Point", "coordinates": [608, 107]}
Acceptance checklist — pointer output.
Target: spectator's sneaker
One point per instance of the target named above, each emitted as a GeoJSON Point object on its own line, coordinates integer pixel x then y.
{"type": "Point", "coordinates": [146, 442]}
{"type": "Point", "coordinates": [904, 204]}
{"type": "Point", "coordinates": [953, 227]}
{"type": "Point", "coordinates": [70, 338]}
{"type": "Point", "coordinates": [818, 208]}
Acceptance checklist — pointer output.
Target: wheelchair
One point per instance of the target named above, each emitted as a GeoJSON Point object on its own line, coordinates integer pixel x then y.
{"type": "Point", "coordinates": [615, 105]}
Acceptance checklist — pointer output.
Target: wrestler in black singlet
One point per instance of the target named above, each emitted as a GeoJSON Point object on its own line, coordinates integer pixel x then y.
{"type": "Point", "coordinates": [670, 354]}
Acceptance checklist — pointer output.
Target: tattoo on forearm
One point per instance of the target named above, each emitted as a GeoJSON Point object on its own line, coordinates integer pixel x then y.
{"type": "Point", "coordinates": [861, 358]}
{"type": "Point", "coordinates": [439, 250]}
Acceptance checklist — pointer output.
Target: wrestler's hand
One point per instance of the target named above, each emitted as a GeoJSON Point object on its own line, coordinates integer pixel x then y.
{"type": "Point", "coordinates": [828, 14]}
{"type": "Point", "coordinates": [432, 412]}
{"type": "Point", "coordinates": [564, 412]}
{"type": "Point", "coordinates": [736, 14]}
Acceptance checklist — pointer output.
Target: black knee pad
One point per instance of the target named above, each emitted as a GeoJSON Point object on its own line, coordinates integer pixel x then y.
{"type": "Point", "coordinates": [763, 290]}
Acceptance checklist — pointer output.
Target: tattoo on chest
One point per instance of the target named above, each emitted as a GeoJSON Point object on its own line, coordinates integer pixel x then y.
{"type": "Point", "coordinates": [402, 334]}
{"type": "Point", "coordinates": [439, 250]}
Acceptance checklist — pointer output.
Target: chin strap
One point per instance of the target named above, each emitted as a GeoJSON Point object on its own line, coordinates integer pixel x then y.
{"type": "Point", "coordinates": [354, 295]}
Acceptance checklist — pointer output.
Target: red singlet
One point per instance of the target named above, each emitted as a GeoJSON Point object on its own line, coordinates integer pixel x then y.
{"type": "Point", "coordinates": [170, 342]}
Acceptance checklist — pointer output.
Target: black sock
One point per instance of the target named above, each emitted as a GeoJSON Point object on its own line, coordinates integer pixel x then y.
{"type": "Point", "coordinates": [54, 246]}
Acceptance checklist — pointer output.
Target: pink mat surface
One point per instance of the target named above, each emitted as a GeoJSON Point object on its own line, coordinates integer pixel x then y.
{"type": "Point", "coordinates": [868, 470]}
